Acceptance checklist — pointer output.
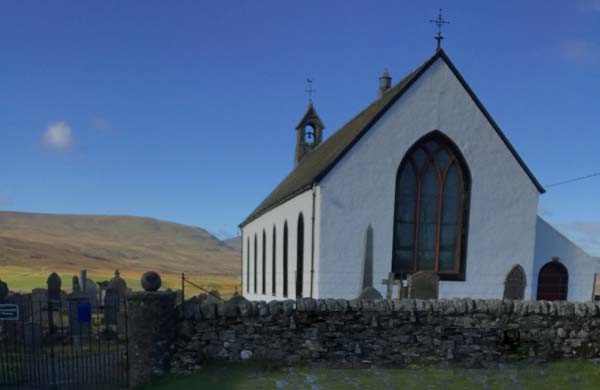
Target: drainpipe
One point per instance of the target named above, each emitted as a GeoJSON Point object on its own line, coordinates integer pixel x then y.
{"type": "Point", "coordinates": [312, 248]}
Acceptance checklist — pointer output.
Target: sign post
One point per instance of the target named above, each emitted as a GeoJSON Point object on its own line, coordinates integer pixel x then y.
{"type": "Point", "coordinates": [9, 312]}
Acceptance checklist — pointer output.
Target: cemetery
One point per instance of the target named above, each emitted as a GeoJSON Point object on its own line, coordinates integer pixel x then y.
{"type": "Point", "coordinates": [134, 338]}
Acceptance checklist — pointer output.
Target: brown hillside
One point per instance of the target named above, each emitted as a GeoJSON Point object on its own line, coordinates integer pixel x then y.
{"type": "Point", "coordinates": [94, 242]}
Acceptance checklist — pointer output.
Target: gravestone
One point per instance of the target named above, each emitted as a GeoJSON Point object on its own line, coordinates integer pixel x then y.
{"type": "Point", "coordinates": [39, 305]}
{"type": "Point", "coordinates": [33, 336]}
{"type": "Point", "coordinates": [367, 275]}
{"type": "Point", "coordinates": [423, 285]}
{"type": "Point", "coordinates": [118, 284]}
{"type": "Point", "coordinates": [54, 283]}
{"type": "Point", "coordinates": [3, 291]}
{"type": "Point", "coordinates": [79, 321]}
{"type": "Point", "coordinates": [76, 288]}
{"type": "Point", "coordinates": [370, 294]}
{"type": "Point", "coordinates": [112, 303]}
{"type": "Point", "coordinates": [23, 301]}
{"type": "Point", "coordinates": [515, 283]}
{"type": "Point", "coordinates": [91, 291]}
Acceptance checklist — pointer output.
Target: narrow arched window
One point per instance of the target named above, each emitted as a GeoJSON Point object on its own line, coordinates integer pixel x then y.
{"type": "Point", "coordinates": [431, 209]}
{"type": "Point", "coordinates": [264, 263]}
{"type": "Point", "coordinates": [285, 259]}
{"type": "Point", "coordinates": [274, 262]}
{"type": "Point", "coordinates": [255, 269]}
{"type": "Point", "coordinates": [247, 265]}
{"type": "Point", "coordinates": [300, 256]}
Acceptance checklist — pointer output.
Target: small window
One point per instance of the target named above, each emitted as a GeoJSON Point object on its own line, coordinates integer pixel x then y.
{"type": "Point", "coordinates": [248, 265]}
{"type": "Point", "coordinates": [285, 259]}
{"type": "Point", "coordinates": [255, 269]}
{"type": "Point", "coordinates": [300, 257]}
{"type": "Point", "coordinates": [274, 262]}
{"type": "Point", "coordinates": [264, 263]}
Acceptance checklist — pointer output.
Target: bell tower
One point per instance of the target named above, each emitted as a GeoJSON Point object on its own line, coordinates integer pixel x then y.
{"type": "Point", "coordinates": [309, 133]}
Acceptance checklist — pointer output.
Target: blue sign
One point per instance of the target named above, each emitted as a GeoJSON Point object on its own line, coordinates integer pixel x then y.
{"type": "Point", "coordinates": [84, 312]}
{"type": "Point", "coordinates": [9, 312]}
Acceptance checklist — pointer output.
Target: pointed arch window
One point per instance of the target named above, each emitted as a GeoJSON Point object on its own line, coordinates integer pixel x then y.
{"type": "Point", "coordinates": [431, 209]}
{"type": "Point", "coordinates": [285, 259]}
{"type": "Point", "coordinates": [255, 269]}
{"type": "Point", "coordinates": [264, 263]}
{"type": "Point", "coordinates": [300, 257]}
{"type": "Point", "coordinates": [274, 262]}
{"type": "Point", "coordinates": [248, 265]}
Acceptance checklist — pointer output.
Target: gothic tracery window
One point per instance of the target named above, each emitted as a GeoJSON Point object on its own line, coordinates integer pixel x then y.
{"type": "Point", "coordinates": [431, 208]}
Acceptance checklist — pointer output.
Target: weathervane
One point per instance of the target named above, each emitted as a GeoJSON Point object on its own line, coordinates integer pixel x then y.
{"type": "Point", "coordinates": [309, 89]}
{"type": "Point", "coordinates": [439, 22]}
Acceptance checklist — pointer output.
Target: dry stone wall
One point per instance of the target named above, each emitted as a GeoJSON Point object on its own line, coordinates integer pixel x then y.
{"type": "Point", "coordinates": [339, 332]}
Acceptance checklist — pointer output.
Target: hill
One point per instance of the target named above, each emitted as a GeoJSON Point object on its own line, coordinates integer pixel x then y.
{"type": "Point", "coordinates": [103, 243]}
{"type": "Point", "coordinates": [234, 243]}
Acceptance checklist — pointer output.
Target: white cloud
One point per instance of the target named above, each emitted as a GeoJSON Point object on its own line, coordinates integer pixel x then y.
{"type": "Point", "coordinates": [58, 136]}
{"type": "Point", "coordinates": [581, 51]}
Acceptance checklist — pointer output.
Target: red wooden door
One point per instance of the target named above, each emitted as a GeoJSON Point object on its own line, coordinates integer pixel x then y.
{"type": "Point", "coordinates": [553, 282]}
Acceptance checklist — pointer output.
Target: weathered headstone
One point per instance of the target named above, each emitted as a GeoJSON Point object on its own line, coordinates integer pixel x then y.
{"type": "Point", "coordinates": [423, 285]}
{"type": "Point", "coordinates": [370, 294]}
{"type": "Point", "coordinates": [91, 291]}
{"type": "Point", "coordinates": [112, 303]}
{"type": "Point", "coordinates": [118, 284]}
{"type": "Point", "coordinates": [39, 305]}
{"type": "Point", "coordinates": [76, 288]}
{"type": "Point", "coordinates": [54, 283]}
{"type": "Point", "coordinates": [515, 283]}
{"type": "Point", "coordinates": [32, 334]}
{"type": "Point", "coordinates": [3, 291]}
{"type": "Point", "coordinates": [79, 320]}
{"type": "Point", "coordinates": [367, 274]}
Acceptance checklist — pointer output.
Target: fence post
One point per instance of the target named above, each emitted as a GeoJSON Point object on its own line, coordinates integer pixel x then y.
{"type": "Point", "coordinates": [151, 317]}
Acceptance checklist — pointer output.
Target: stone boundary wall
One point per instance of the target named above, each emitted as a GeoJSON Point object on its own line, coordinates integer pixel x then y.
{"type": "Point", "coordinates": [338, 332]}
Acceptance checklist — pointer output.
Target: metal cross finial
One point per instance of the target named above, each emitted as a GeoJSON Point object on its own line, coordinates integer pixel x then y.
{"type": "Point", "coordinates": [439, 22]}
{"type": "Point", "coordinates": [309, 89]}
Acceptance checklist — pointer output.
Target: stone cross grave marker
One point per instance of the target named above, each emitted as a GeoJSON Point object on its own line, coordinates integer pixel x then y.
{"type": "Point", "coordinates": [423, 285]}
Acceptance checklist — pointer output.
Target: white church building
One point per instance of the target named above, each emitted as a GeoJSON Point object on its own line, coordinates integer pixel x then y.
{"type": "Point", "coordinates": [421, 179]}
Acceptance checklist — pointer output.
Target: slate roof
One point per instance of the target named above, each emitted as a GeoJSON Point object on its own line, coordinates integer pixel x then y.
{"type": "Point", "coordinates": [321, 160]}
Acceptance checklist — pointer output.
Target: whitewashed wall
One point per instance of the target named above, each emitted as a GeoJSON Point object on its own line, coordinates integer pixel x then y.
{"type": "Point", "coordinates": [551, 243]}
{"type": "Point", "coordinates": [288, 211]}
{"type": "Point", "coordinates": [360, 191]}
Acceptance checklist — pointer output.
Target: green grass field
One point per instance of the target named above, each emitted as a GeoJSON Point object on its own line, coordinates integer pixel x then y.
{"type": "Point", "coordinates": [24, 279]}
{"type": "Point", "coordinates": [554, 376]}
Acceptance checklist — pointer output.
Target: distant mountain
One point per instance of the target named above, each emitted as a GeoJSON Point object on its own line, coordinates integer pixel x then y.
{"type": "Point", "coordinates": [97, 242]}
{"type": "Point", "coordinates": [234, 243]}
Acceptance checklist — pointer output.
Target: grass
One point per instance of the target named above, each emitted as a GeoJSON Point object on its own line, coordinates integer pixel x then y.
{"type": "Point", "coordinates": [553, 376]}
{"type": "Point", "coordinates": [25, 279]}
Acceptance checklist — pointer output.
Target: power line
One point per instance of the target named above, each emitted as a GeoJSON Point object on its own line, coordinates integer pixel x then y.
{"type": "Point", "coordinates": [560, 183]}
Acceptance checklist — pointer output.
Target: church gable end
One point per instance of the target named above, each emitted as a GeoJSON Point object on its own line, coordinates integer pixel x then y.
{"type": "Point", "coordinates": [314, 166]}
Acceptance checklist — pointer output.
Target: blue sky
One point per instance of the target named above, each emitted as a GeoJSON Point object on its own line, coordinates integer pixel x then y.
{"type": "Point", "coordinates": [185, 111]}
